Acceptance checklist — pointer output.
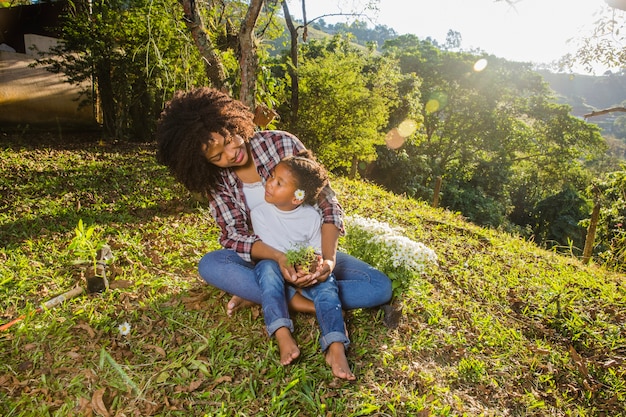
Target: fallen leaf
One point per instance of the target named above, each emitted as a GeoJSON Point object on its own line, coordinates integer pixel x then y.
{"type": "Point", "coordinates": [194, 385]}
{"type": "Point", "coordinates": [87, 328]}
{"type": "Point", "coordinates": [122, 283]}
{"type": "Point", "coordinates": [219, 381]}
{"type": "Point", "coordinates": [97, 403]}
{"type": "Point", "coordinates": [84, 407]}
{"type": "Point", "coordinates": [74, 355]}
{"type": "Point", "coordinates": [157, 349]}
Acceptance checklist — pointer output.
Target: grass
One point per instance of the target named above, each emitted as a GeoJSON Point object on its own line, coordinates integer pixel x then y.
{"type": "Point", "coordinates": [497, 328]}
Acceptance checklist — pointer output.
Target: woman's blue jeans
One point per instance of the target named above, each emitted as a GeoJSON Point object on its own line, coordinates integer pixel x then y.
{"type": "Point", "coordinates": [360, 285]}
{"type": "Point", "coordinates": [325, 296]}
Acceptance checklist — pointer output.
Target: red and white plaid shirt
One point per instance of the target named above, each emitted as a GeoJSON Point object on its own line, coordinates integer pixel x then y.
{"type": "Point", "coordinates": [229, 208]}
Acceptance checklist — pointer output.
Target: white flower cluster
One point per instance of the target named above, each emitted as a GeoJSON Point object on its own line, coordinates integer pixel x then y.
{"type": "Point", "coordinates": [402, 251]}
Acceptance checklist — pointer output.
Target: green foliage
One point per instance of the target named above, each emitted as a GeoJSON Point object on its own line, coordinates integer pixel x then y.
{"type": "Point", "coordinates": [605, 46]}
{"type": "Point", "coordinates": [360, 30]}
{"type": "Point", "coordinates": [495, 136]}
{"type": "Point", "coordinates": [474, 203]}
{"type": "Point", "coordinates": [403, 171]}
{"type": "Point", "coordinates": [340, 116]}
{"type": "Point", "coordinates": [557, 219]}
{"type": "Point", "coordinates": [85, 244]}
{"type": "Point", "coordinates": [134, 67]}
{"type": "Point", "coordinates": [611, 234]}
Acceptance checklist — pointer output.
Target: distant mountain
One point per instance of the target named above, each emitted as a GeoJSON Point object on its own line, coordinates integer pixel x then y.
{"type": "Point", "coordinates": [585, 93]}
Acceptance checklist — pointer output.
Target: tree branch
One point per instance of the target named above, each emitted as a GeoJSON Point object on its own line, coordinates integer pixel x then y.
{"type": "Point", "coordinates": [605, 111]}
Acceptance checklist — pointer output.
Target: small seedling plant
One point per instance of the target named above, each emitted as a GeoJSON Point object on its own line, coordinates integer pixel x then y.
{"type": "Point", "coordinates": [85, 245]}
{"type": "Point", "coordinates": [303, 257]}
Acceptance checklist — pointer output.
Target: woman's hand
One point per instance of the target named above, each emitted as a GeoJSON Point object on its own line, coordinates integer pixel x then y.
{"type": "Point", "coordinates": [323, 270]}
{"type": "Point", "coordinates": [304, 277]}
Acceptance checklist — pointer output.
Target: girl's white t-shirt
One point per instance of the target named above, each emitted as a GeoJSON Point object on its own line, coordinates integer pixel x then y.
{"type": "Point", "coordinates": [283, 230]}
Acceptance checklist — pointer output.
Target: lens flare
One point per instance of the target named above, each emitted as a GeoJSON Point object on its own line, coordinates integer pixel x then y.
{"type": "Point", "coordinates": [394, 139]}
{"type": "Point", "coordinates": [432, 105]}
{"type": "Point", "coordinates": [407, 128]}
{"type": "Point", "coordinates": [480, 65]}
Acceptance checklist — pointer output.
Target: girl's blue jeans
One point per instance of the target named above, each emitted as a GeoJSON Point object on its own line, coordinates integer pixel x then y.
{"type": "Point", "coordinates": [360, 285]}
{"type": "Point", "coordinates": [325, 296]}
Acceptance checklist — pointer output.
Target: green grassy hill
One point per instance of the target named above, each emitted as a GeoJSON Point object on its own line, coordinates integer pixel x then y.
{"type": "Point", "coordinates": [497, 328]}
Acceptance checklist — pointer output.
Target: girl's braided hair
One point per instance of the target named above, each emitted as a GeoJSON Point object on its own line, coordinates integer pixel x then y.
{"type": "Point", "coordinates": [311, 177]}
{"type": "Point", "coordinates": [186, 124]}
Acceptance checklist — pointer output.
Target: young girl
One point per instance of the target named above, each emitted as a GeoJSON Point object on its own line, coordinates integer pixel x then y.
{"type": "Point", "coordinates": [286, 219]}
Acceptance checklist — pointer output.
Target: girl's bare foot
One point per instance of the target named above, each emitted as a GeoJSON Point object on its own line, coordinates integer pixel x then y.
{"type": "Point", "coordinates": [287, 346]}
{"type": "Point", "coordinates": [336, 358]}
{"type": "Point", "coordinates": [235, 304]}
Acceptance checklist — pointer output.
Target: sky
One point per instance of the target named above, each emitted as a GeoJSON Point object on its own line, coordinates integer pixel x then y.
{"type": "Point", "coordinates": [530, 31]}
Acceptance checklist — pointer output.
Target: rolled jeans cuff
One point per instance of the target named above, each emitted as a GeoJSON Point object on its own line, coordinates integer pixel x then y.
{"type": "Point", "coordinates": [332, 337]}
{"type": "Point", "coordinates": [277, 324]}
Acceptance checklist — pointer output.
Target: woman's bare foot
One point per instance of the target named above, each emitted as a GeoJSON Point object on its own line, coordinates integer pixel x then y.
{"type": "Point", "coordinates": [287, 346]}
{"type": "Point", "coordinates": [235, 304]}
{"type": "Point", "coordinates": [336, 358]}
{"type": "Point", "coordinates": [301, 304]}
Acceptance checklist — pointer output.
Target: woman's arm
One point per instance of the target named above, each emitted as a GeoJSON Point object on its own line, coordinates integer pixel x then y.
{"type": "Point", "coordinates": [332, 212]}
{"type": "Point", "coordinates": [330, 238]}
{"type": "Point", "coordinates": [230, 214]}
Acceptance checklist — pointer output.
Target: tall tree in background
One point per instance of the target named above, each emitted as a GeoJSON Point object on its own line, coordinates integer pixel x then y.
{"type": "Point", "coordinates": [482, 125]}
{"type": "Point", "coordinates": [245, 49]}
{"type": "Point", "coordinates": [134, 67]}
{"type": "Point", "coordinates": [213, 64]}
{"type": "Point", "coordinates": [342, 115]}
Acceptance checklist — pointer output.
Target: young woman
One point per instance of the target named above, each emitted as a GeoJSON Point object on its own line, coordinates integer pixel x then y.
{"type": "Point", "coordinates": [209, 143]}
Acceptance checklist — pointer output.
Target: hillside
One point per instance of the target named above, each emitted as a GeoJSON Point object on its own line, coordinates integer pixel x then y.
{"type": "Point", "coordinates": [498, 327]}
{"type": "Point", "coordinates": [586, 93]}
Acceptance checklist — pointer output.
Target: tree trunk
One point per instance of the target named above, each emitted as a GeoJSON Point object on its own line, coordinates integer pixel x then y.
{"type": "Point", "coordinates": [353, 167]}
{"type": "Point", "coordinates": [213, 66]}
{"type": "Point", "coordinates": [105, 96]}
{"type": "Point", "coordinates": [248, 61]}
{"type": "Point", "coordinates": [591, 233]}
{"type": "Point", "coordinates": [436, 192]}
{"type": "Point", "coordinates": [293, 68]}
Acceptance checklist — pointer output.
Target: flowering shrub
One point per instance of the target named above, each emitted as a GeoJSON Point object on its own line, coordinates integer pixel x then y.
{"type": "Point", "coordinates": [386, 248]}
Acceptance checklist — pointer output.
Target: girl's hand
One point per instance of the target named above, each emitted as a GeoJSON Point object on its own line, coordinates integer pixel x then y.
{"type": "Point", "coordinates": [289, 272]}
{"type": "Point", "coordinates": [305, 278]}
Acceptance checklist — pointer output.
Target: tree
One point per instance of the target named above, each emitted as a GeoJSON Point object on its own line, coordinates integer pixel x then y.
{"type": "Point", "coordinates": [293, 46]}
{"type": "Point", "coordinates": [133, 66]}
{"type": "Point", "coordinates": [213, 64]}
{"type": "Point", "coordinates": [495, 136]}
{"type": "Point", "coordinates": [341, 114]}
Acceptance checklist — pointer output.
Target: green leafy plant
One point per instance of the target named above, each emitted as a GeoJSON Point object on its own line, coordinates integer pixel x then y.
{"type": "Point", "coordinates": [302, 256]}
{"type": "Point", "coordinates": [85, 244]}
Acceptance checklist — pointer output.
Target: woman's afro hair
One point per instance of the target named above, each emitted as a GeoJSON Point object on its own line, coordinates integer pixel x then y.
{"type": "Point", "coordinates": [186, 124]}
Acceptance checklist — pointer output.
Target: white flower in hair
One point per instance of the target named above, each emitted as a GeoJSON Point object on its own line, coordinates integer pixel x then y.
{"type": "Point", "coordinates": [299, 194]}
